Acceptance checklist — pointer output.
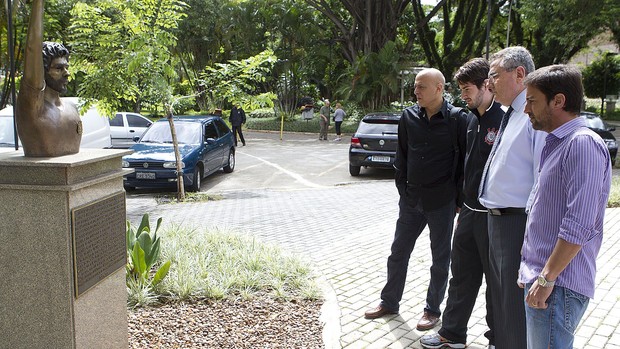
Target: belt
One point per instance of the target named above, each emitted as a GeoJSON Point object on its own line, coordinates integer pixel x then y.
{"type": "Point", "coordinates": [506, 211]}
{"type": "Point", "coordinates": [475, 209]}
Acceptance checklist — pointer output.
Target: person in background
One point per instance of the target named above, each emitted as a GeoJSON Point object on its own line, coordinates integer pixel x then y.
{"type": "Point", "coordinates": [324, 120]}
{"type": "Point", "coordinates": [339, 115]}
{"type": "Point", "coordinates": [564, 230]}
{"type": "Point", "coordinates": [507, 181]}
{"type": "Point", "coordinates": [429, 160]}
{"type": "Point", "coordinates": [237, 119]}
{"type": "Point", "coordinates": [470, 245]}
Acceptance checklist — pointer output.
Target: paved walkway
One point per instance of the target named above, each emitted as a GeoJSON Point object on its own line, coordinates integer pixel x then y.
{"type": "Point", "coordinates": [346, 232]}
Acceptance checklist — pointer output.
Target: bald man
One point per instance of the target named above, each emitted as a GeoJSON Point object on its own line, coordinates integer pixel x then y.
{"type": "Point", "coordinates": [429, 170]}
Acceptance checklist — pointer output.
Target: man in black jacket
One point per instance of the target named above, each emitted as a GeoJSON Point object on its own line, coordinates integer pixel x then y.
{"type": "Point", "coordinates": [237, 118]}
{"type": "Point", "coordinates": [429, 160]}
{"type": "Point", "coordinates": [470, 246]}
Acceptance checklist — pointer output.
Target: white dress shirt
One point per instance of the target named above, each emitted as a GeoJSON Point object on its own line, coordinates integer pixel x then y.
{"type": "Point", "coordinates": [514, 167]}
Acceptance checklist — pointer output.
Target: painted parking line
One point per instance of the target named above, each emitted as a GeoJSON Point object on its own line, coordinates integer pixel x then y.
{"type": "Point", "coordinates": [292, 174]}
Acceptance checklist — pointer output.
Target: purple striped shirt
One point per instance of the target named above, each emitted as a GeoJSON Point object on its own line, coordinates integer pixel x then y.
{"type": "Point", "coordinates": [569, 204]}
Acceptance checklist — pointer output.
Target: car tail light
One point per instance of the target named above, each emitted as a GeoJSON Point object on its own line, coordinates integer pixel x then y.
{"type": "Point", "coordinates": [355, 142]}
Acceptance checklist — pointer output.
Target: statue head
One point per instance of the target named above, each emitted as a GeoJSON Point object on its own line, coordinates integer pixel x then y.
{"type": "Point", "coordinates": [56, 65]}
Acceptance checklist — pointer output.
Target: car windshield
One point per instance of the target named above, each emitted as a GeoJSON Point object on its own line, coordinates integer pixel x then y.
{"type": "Point", "coordinates": [378, 127]}
{"type": "Point", "coordinates": [596, 123]}
{"type": "Point", "coordinates": [159, 132]}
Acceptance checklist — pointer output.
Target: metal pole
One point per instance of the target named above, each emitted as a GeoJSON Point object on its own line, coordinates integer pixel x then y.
{"type": "Point", "coordinates": [488, 27]}
{"type": "Point", "coordinates": [508, 26]}
{"type": "Point", "coordinates": [9, 15]}
{"type": "Point", "coordinates": [402, 89]}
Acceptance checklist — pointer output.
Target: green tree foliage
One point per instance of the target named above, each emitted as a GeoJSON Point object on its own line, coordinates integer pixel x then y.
{"type": "Point", "coordinates": [555, 30]}
{"type": "Point", "coordinates": [56, 21]}
{"type": "Point", "coordinates": [374, 80]}
{"type": "Point", "coordinates": [602, 78]}
{"type": "Point", "coordinates": [362, 27]}
{"type": "Point", "coordinates": [133, 54]}
{"type": "Point", "coordinates": [123, 51]}
{"type": "Point", "coordinates": [611, 18]}
{"type": "Point", "coordinates": [451, 32]}
{"type": "Point", "coordinates": [239, 81]}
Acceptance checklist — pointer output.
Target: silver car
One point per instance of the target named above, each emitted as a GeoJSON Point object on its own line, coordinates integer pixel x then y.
{"type": "Point", "coordinates": [125, 127]}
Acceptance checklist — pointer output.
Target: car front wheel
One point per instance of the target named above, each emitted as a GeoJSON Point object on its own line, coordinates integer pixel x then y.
{"type": "Point", "coordinates": [231, 162]}
{"type": "Point", "coordinates": [354, 170]}
{"type": "Point", "coordinates": [197, 179]}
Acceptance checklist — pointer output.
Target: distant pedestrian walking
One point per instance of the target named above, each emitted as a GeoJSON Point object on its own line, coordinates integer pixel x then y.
{"type": "Point", "coordinates": [237, 118]}
{"type": "Point", "coordinates": [339, 115]}
{"type": "Point", "coordinates": [324, 120]}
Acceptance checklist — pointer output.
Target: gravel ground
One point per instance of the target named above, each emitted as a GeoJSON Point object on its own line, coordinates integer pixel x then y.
{"type": "Point", "coordinates": [261, 322]}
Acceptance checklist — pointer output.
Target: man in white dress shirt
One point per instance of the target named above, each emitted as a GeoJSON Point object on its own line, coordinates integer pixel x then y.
{"type": "Point", "coordinates": [505, 188]}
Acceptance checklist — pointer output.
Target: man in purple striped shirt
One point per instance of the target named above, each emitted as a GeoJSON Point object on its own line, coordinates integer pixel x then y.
{"type": "Point", "coordinates": [565, 225]}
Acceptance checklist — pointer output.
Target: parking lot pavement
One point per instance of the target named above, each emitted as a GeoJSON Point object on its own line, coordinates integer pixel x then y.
{"type": "Point", "coordinates": [344, 226]}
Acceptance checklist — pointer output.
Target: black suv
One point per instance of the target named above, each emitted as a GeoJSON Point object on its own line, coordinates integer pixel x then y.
{"type": "Point", "coordinates": [596, 124]}
{"type": "Point", "coordinates": [374, 143]}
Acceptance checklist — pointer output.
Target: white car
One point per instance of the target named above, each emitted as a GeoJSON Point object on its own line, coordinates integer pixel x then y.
{"type": "Point", "coordinates": [127, 126]}
{"type": "Point", "coordinates": [95, 128]}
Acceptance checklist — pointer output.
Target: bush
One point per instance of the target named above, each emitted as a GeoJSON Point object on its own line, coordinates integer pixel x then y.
{"type": "Point", "coordinates": [219, 264]}
{"type": "Point", "coordinates": [183, 105]}
{"type": "Point", "coordinates": [310, 126]}
{"type": "Point", "coordinates": [143, 249]}
{"type": "Point", "coordinates": [263, 113]}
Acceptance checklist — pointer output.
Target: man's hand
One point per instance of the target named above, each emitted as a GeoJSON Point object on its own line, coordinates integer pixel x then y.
{"type": "Point", "coordinates": [537, 296]}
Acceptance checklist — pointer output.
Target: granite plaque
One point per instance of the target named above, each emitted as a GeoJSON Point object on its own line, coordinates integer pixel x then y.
{"type": "Point", "coordinates": [99, 244]}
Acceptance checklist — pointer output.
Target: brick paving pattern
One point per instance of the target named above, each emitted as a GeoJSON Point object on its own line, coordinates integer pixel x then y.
{"type": "Point", "coordinates": [346, 232]}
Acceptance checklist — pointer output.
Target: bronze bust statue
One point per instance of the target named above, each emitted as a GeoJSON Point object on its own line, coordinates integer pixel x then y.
{"type": "Point", "coordinates": [46, 125]}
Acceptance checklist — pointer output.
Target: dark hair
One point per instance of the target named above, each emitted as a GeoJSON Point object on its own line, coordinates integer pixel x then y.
{"type": "Point", "coordinates": [555, 79]}
{"type": "Point", "coordinates": [475, 71]}
{"type": "Point", "coordinates": [52, 50]}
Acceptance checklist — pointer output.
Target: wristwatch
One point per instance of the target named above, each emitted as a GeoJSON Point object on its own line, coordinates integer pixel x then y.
{"type": "Point", "coordinates": [544, 282]}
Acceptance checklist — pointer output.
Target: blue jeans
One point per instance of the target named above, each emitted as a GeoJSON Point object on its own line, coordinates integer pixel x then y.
{"type": "Point", "coordinates": [411, 222]}
{"type": "Point", "coordinates": [554, 327]}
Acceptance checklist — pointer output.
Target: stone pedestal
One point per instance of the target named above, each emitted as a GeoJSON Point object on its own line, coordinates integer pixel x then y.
{"type": "Point", "coordinates": [62, 251]}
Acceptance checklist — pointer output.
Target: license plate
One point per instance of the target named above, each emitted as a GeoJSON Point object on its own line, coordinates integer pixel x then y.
{"type": "Point", "coordinates": [145, 175]}
{"type": "Point", "coordinates": [380, 158]}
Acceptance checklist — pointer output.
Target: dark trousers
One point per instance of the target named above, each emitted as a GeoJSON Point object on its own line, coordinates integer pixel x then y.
{"type": "Point", "coordinates": [470, 261]}
{"type": "Point", "coordinates": [411, 222]}
{"type": "Point", "coordinates": [237, 130]}
{"type": "Point", "coordinates": [505, 242]}
{"type": "Point", "coordinates": [338, 124]}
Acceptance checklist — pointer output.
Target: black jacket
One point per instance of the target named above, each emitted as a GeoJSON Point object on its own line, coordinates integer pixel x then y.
{"type": "Point", "coordinates": [430, 156]}
{"type": "Point", "coordinates": [237, 116]}
{"type": "Point", "coordinates": [481, 133]}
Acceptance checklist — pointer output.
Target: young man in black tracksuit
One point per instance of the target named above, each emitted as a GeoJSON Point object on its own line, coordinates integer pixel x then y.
{"type": "Point", "coordinates": [470, 248]}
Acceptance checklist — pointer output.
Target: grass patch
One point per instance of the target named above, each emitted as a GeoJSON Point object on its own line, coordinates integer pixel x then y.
{"type": "Point", "coordinates": [189, 197]}
{"type": "Point", "coordinates": [219, 264]}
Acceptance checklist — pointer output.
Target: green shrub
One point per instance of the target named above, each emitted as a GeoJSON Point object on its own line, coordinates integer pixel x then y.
{"type": "Point", "coordinates": [262, 113]}
{"type": "Point", "coordinates": [143, 250]}
{"type": "Point", "coordinates": [309, 126]}
{"type": "Point", "coordinates": [183, 105]}
{"type": "Point", "coordinates": [218, 264]}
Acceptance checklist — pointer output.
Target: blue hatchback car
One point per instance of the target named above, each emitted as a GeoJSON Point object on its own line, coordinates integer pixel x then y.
{"type": "Point", "coordinates": [205, 143]}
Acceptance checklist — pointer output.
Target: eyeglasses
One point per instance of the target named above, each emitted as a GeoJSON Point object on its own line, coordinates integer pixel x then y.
{"type": "Point", "coordinates": [494, 74]}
